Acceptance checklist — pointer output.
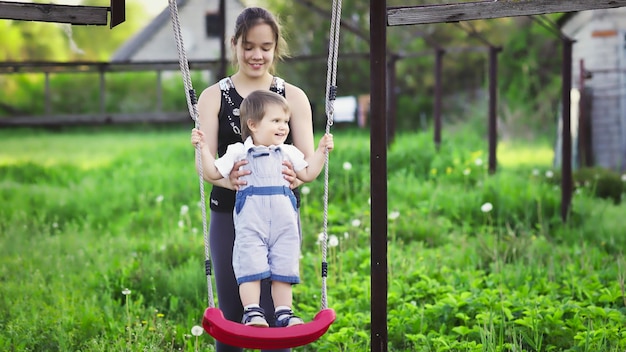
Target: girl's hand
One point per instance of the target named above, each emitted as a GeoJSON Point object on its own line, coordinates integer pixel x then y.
{"type": "Point", "coordinates": [289, 174]}
{"type": "Point", "coordinates": [235, 175]}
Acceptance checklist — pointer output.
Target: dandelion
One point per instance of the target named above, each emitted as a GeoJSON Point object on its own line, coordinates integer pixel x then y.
{"type": "Point", "coordinates": [478, 161]}
{"type": "Point", "coordinates": [197, 330]}
{"type": "Point", "coordinates": [181, 224]}
{"type": "Point", "coordinates": [356, 222]}
{"type": "Point", "coordinates": [466, 172]}
{"type": "Point", "coordinates": [55, 225]}
{"type": "Point", "coordinates": [549, 174]}
{"type": "Point", "coordinates": [321, 237]}
{"type": "Point", "coordinates": [369, 200]}
{"type": "Point", "coordinates": [394, 215]}
{"type": "Point", "coordinates": [159, 199]}
{"type": "Point", "coordinates": [623, 177]}
{"type": "Point", "coordinates": [333, 241]}
{"type": "Point", "coordinates": [487, 207]}
{"type": "Point", "coordinates": [448, 170]}
{"type": "Point", "coordinates": [126, 292]}
{"type": "Point", "coordinates": [194, 230]}
{"type": "Point", "coordinates": [347, 166]}
{"type": "Point", "coordinates": [184, 210]}
{"type": "Point", "coordinates": [346, 235]}
{"type": "Point", "coordinates": [433, 172]}
{"type": "Point", "coordinates": [535, 172]}
{"type": "Point", "coordinates": [305, 190]}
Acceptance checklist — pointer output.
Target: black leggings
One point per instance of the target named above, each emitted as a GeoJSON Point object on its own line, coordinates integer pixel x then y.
{"type": "Point", "coordinates": [222, 237]}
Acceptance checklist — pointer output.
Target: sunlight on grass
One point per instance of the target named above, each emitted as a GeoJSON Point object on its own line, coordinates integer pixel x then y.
{"type": "Point", "coordinates": [540, 154]}
{"type": "Point", "coordinates": [85, 149]}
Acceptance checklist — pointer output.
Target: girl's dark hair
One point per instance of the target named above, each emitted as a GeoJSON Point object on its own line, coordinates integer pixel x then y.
{"type": "Point", "coordinates": [252, 16]}
{"type": "Point", "coordinates": [253, 108]}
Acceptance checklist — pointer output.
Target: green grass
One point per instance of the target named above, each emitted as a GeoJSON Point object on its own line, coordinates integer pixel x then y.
{"type": "Point", "coordinates": [87, 213]}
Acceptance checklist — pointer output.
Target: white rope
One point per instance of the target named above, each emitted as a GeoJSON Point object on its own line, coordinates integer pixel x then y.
{"type": "Point", "coordinates": [192, 104]}
{"type": "Point", "coordinates": [331, 93]}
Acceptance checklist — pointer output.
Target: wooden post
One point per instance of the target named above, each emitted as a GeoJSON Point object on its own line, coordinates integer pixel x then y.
{"type": "Point", "coordinates": [118, 12]}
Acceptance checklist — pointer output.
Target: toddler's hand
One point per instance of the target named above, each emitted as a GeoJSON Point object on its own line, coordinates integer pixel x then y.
{"type": "Point", "coordinates": [197, 137]}
{"type": "Point", "coordinates": [327, 142]}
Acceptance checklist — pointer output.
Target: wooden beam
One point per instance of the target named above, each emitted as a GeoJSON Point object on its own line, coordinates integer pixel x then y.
{"type": "Point", "coordinates": [468, 11]}
{"type": "Point", "coordinates": [79, 15]}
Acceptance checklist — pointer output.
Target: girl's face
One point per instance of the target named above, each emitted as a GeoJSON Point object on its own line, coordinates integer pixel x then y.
{"type": "Point", "coordinates": [273, 128]}
{"type": "Point", "coordinates": [255, 53]}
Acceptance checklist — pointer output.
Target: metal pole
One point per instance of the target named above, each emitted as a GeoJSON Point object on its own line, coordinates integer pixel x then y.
{"type": "Point", "coordinates": [566, 149]}
{"type": "Point", "coordinates": [493, 104]}
{"type": "Point", "coordinates": [378, 175]}
{"type": "Point", "coordinates": [438, 99]}
{"type": "Point", "coordinates": [222, 17]}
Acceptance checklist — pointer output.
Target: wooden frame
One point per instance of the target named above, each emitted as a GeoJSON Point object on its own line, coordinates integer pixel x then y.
{"type": "Point", "coordinates": [382, 17]}
{"type": "Point", "coordinates": [73, 14]}
{"type": "Point", "coordinates": [480, 10]}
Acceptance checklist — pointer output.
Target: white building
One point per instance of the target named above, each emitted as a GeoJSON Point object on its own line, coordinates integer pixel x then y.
{"type": "Point", "coordinates": [200, 32]}
{"type": "Point", "coordinates": [600, 50]}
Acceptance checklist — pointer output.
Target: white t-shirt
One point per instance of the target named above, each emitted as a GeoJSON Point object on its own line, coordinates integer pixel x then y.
{"type": "Point", "coordinates": [237, 151]}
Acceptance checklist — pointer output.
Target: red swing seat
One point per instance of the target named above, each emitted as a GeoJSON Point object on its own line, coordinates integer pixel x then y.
{"type": "Point", "coordinates": [235, 334]}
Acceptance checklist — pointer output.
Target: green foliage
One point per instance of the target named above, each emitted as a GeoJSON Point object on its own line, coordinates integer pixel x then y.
{"type": "Point", "coordinates": [79, 93]}
{"type": "Point", "coordinates": [98, 211]}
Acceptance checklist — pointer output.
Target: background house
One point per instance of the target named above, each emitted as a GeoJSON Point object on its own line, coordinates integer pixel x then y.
{"type": "Point", "coordinates": [199, 21]}
{"type": "Point", "coordinates": [599, 73]}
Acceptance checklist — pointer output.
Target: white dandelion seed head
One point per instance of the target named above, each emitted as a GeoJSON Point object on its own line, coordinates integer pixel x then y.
{"type": "Point", "coordinates": [197, 330]}
{"type": "Point", "coordinates": [356, 222]}
{"type": "Point", "coordinates": [194, 230]}
{"type": "Point", "coordinates": [333, 241]}
{"type": "Point", "coordinates": [184, 210]}
{"type": "Point", "coordinates": [478, 161]}
{"type": "Point", "coordinates": [321, 237]}
{"type": "Point", "coordinates": [369, 201]}
{"type": "Point", "coordinates": [346, 235]}
{"type": "Point", "coordinates": [466, 172]}
{"type": "Point", "coordinates": [394, 215]}
{"type": "Point", "coordinates": [347, 166]}
{"type": "Point", "coordinates": [181, 224]}
{"type": "Point", "coordinates": [535, 172]}
{"type": "Point", "coordinates": [126, 292]}
{"type": "Point", "coordinates": [159, 198]}
{"type": "Point", "coordinates": [487, 207]}
{"type": "Point", "coordinates": [305, 190]}
{"type": "Point", "coordinates": [55, 225]}
{"type": "Point", "coordinates": [623, 177]}
{"type": "Point", "coordinates": [549, 174]}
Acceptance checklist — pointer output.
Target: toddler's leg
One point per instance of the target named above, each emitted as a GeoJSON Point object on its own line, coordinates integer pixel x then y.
{"type": "Point", "coordinates": [283, 297]}
{"type": "Point", "coordinates": [253, 314]}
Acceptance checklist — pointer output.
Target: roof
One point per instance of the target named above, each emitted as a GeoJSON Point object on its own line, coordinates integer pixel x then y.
{"type": "Point", "coordinates": [132, 46]}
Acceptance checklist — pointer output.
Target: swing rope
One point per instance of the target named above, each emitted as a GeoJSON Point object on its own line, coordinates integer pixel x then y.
{"type": "Point", "coordinates": [214, 322]}
{"type": "Point", "coordinates": [192, 104]}
{"type": "Point", "coordinates": [331, 95]}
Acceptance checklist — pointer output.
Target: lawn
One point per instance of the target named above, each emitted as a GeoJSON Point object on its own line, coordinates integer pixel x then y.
{"type": "Point", "coordinates": [101, 246]}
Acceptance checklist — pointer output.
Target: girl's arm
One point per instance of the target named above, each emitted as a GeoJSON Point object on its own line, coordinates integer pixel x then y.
{"type": "Point", "coordinates": [208, 110]}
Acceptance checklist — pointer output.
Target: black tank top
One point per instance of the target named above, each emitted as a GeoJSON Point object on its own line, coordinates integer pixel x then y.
{"type": "Point", "coordinates": [229, 132]}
